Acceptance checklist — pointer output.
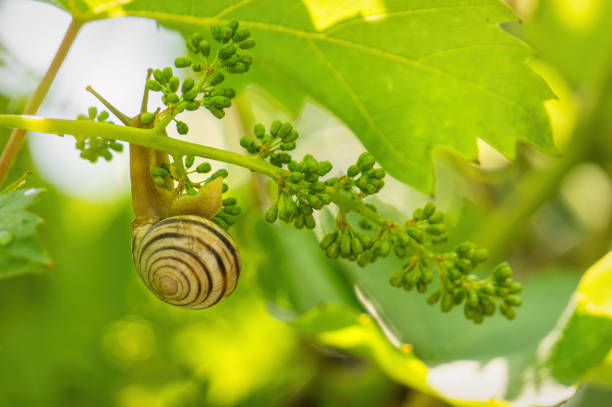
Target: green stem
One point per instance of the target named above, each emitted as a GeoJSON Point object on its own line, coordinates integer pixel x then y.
{"type": "Point", "coordinates": [151, 138]}
{"type": "Point", "coordinates": [17, 136]}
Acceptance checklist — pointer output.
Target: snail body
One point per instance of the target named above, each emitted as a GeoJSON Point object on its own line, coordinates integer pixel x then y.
{"type": "Point", "coordinates": [185, 260]}
{"type": "Point", "coordinates": [183, 257]}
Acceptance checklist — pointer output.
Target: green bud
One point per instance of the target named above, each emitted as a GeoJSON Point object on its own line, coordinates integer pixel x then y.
{"type": "Point", "coordinates": [487, 289]}
{"type": "Point", "coordinates": [227, 51]}
{"type": "Point", "coordinates": [515, 288]}
{"type": "Point", "coordinates": [293, 135]}
{"type": "Point", "coordinates": [295, 177]}
{"type": "Point", "coordinates": [299, 222]}
{"type": "Point", "coordinates": [436, 230]}
{"type": "Point", "coordinates": [204, 48]}
{"type": "Point", "coordinates": [232, 210]}
{"type": "Point", "coordinates": [160, 182]}
{"type": "Point", "coordinates": [384, 248]}
{"type": "Point", "coordinates": [365, 258]}
{"type": "Point", "coordinates": [345, 244]}
{"type": "Point", "coordinates": [284, 130]}
{"type": "Point", "coordinates": [271, 214]}
{"type": "Point", "coordinates": [220, 102]}
{"type": "Point", "coordinates": [146, 118]}
{"type": "Point", "coordinates": [93, 112]}
{"type": "Point", "coordinates": [171, 98]}
{"type": "Point", "coordinates": [187, 85]}
{"type": "Point", "coordinates": [245, 59]}
{"type": "Point", "coordinates": [464, 248]}
{"type": "Point", "coordinates": [325, 199]}
{"type": "Point", "coordinates": [203, 168]}
{"type": "Point", "coordinates": [315, 202]}
{"type": "Point", "coordinates": [196, 67]}
{"type": "Point", "coordinates": [275, 127]}
{"type": "Point", "coordinates": [259, 130]}
{"type": "Point", "coordinates": [309, 221]}
{"type": "Point", "coordinates": [159, 76]}
{"type": "Point", "coordinates": [190, 95]}
{"type": "Point", "coordinates": [397, 279]}
{"type": "Point", "coordinates": [103, 116]}
{"type": "Point", "coordinates": [225, 188]}
{"type": "Point", "coordinates": [352, 171]}
{"type": "Point", "coordinates": [218, 113]}
{"type": "Point", "coordinates": [378, 173]}
{"type": "Point", "coordinates": [181, 127]}
{"type": "Point", "coordinates": [221, 173]}
{"type": "Point", "coordinates": [434, 297]}
{"type": "Point", "coordinates": [287, 146]}
{"type": "Point", "coordinates": [479, 256]}
{"type": "Point", "coordinates": [173, 84]}
{"type": "Point", "coordinates": [317, 186]}
{"type": "Point", "coordinates": [247, 44]}
{"type": "Point", "coordinates": [356, 246]}
{"type": "Point", "coordinates": [189, 161]}
{"type": "Point", "coordinates": [507, 311]}
{"type": "Point", "coordinates": [502, 271]}
{"type": "Point", "coordinates": [191, 106]}
{"type": "Point", "coordinates": [417, 214]}
{"type": "Point", "coordinates": [167, 72]}
{"type": "Point", "coordinates": [216, 32]}
{"type": "Point", "coordinates": [464, 265]}
{"type": "Point", "coordinates": [327, 240]}
{"type": "Point", "coordinates": [191, 191]}
{"type": "Point", "coordinates": [241, 35]}
{"type": "Point", "coordinates": [182, 62]}
{"type": "Point", "coordinates": [330, 182]}
{"type": "Point", "coordinates": [233, 24]}
{"type": "Point", "coordinates": [159, 172]}
{"type": "Point", "coordinates": [428, 210]}
{"type": "Point", "coordinates": [216, 78]}
{"type": "Point", "coordinates": [437, 217]}
{"type": "Point", "coordinates": [116, 146]}
{"type": "Point", "coordinates": [230, 201]}
{"type": "Point", "coordinates": [332, 250]}
{"type": "Point", "coordinates": [514, 300]}
{"type": "Point", "coordinates": [448, 302]}
{"type": "Point", "coordinates": [221, 222]}
{"type": "Point", "coordinates": [365, 162]}
{"type": "Point", "coordinates": [238, 68]}
{"type": "Point", "coordinates": [458, 296]}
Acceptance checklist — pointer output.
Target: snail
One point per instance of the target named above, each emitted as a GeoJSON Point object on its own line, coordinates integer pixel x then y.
{"type": "Point", "coordinates": [183, 257]}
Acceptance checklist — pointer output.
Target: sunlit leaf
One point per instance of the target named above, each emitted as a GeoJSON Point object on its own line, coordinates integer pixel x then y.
{"type": "Point", "coordinates": [406, 77]}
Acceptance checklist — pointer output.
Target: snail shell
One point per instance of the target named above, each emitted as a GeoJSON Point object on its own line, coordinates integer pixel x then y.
{"type": "Point", "coordinates": [185, 260]}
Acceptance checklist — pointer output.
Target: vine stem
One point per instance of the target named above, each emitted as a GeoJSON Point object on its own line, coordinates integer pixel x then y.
{"type": "Point", "coordinates": [156, 139]}
{"type": "Point", "coordinates": [17, 136]}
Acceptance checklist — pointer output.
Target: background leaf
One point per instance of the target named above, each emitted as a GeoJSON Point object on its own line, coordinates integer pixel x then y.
{"type": "Point", "coordinates": [21, 250]}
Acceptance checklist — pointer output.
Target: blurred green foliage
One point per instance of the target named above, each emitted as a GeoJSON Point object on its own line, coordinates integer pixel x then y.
{"type": "Point", "coordinates": [295, 332]}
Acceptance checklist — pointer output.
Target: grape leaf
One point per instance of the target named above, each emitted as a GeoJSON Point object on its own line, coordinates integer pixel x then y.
{"type": "Point", "coordinates": [21, 250]}
{"type": "Point", "coordinates": [405, 77]}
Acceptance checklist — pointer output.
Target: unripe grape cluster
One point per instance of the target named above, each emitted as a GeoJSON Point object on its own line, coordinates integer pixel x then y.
{"type": "Point", "coordinates": [93, 148]}
{"type": "Point", "coordinates": [204, 90]}
{"type": "Point", "coordinates": [302, 191]}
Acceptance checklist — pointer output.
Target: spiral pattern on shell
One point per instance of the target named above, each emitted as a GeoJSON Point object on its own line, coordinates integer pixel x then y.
{"type": "Point", "coordinates": [186, 260]}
